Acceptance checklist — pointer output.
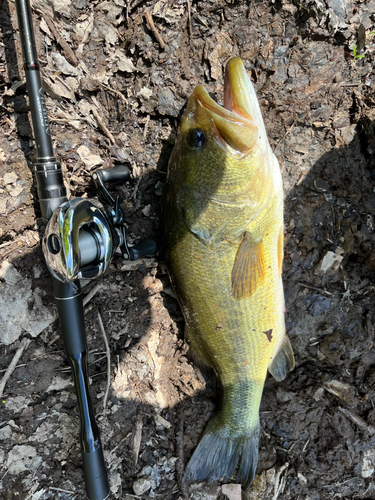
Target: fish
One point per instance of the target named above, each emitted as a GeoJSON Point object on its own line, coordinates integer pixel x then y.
{"type": "Point", "coordinates": [223, 236]}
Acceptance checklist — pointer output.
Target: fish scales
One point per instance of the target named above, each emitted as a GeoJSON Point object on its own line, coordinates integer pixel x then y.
{"type": "Point", "coordinates": [223, 229]}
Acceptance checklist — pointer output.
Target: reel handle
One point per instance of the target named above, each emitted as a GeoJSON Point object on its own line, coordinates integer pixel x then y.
{"type": "Point", "coordinates": [119, 173]}
{"type": "Point", "coordinates": [144, 248]}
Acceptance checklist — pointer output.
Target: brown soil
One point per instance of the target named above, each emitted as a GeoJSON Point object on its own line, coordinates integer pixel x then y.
{"type": "Point", "coordinates": [317, 95]}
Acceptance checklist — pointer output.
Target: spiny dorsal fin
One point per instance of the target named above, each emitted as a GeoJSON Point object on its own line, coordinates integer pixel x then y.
{"type": "Point", "coordinates": [249, 268]}
{"type": "Point", "coordinates": [283, 361]}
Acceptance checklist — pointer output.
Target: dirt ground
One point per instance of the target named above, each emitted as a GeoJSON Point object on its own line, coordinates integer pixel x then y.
{"type": "Point", "coordinates": [117, 75]}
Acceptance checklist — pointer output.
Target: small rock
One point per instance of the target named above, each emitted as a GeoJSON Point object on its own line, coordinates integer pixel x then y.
{"type": "Point", "coordinates": [10, 178]}
{"type": "Point", "coordinates": [167, 103]}
{"type": "Point", "coordinates": [17, 404]}
{"type": "Point", "coordinates": [9, 273]}
{"type": "Point", "coordinates": [5, 432]}
{"type": "Point", "coordinates": [207, 492]}
{"type": "Point", "coordinates": [145, 92]}
{"type": "Point", "coordinates": [21, 309]}
{"type": "Point", "coordinates": [21, 458]}
{"type": "Point", "coordinates": [147, 210]}
{"type": "Point", "coordinates": [368, 463]}
{"type": "Point", "coordinates": [16, 191]}
{"type": "Point", "coordinates": [319, 305]}
{"type": "Point", "coordinates": [318, 394]}
{"type": "Point", "coordinates": [263, 486]}
{"type": "Point", "coordinates": [115, 482]}
{"type": "Point", "coordinates": [232, 491]}
{"type": "Point", "coordinates": [159, 187]}
{"type": "Point", "coordinates": [301, 478]}
{"type": "Point", "coordinates": [321, 185]}
{"type": "Point", "coordinates": [141, 485]}
{"type": "Point", "coordinates": [331, 262]}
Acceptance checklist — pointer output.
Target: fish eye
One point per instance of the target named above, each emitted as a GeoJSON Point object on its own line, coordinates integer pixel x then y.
{"type": "Point", "coordinates": [196, 138]}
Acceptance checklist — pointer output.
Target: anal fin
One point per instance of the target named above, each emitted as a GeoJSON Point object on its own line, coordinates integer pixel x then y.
{"type": "Point", "coordinates": [283, 361]}
{"type": "Point", "coordinates": [249, 268]}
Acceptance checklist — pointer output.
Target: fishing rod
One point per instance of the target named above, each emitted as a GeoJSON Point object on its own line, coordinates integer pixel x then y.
{"type": "Point", "coordinates": [80, 240]}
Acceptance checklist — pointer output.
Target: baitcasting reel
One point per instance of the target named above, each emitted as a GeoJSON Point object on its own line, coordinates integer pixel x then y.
{"type": "Point", "coordinates": [82, 235]}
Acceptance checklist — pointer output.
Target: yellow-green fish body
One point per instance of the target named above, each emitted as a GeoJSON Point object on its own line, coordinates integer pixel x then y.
{"type": "Point", "coordinates": [223, 229]}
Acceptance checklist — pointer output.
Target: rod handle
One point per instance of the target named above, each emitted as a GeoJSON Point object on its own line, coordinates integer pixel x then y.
{"type": "Point", "coordinates": [94, 471]}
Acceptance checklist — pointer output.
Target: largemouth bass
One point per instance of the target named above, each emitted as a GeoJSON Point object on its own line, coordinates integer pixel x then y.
{"type": "Point", "coordinates": [223, 231]}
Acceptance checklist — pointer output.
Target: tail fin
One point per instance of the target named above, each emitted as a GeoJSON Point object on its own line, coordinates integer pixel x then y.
{"type": "Point", "coordinates": [223, 450]}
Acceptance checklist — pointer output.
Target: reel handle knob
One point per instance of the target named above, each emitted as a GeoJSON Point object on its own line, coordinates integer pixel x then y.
{"type": "Point", "coordinates": [119, 173]}
{"type": "Point", "coordinates": [143, 248]}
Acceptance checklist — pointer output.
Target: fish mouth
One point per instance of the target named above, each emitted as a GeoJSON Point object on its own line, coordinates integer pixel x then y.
{"type": "Point", "coordinates": [236, 121]}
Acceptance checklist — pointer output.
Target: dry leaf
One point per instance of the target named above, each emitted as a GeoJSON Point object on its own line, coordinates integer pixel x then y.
{"type": "Point", "coordinates": [88, 158]}
{"type": "Point", "coordinates": [124, 63]}
{"type": "Point", "coordinates": [62, 65]}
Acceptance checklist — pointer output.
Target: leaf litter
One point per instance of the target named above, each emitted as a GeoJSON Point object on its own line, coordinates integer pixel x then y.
{"type": "Point", "coordinates": [133, 65]}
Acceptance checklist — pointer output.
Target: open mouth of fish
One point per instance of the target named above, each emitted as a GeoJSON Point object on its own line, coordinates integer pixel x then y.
{"type": "Point", "coordinates": [239, 122]}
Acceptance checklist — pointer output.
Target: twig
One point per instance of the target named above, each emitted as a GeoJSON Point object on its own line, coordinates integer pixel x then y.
{"type": "Point", "coordinates": [119, 444]}
{"type": "Point", "coordinates": [18, 366]}
{"type": "Point", "coordinates": [108, 352]}
{"type": "Point", "coordinates": [24, 343]}
{"type": "Point", "coordinates": [69, 54]}
{"type": "Point", "coordinates": [70, 492]}
{"type": "Point", "coordinates": [8, 252]}
{"type": "Point", "coordinates": [152, 27]}
{"type": "Point", "coordinates": [7, 243]}
{"type": "Point", "coordinates": [91, 294]}
{"type": "Point", "coordinates": [354, 84]}
{"type": "Point", "coordinates": [146, 126]}
{"type": "Point", "coordinates": [137, 438]}
{"type": "Point", "coordinates": [317, 289]}
{"type": "Point", "coordinates": [189, 24]}
{"type": "Point", "coordinates": [136, 188]}
{"type": "Point", "coordinates": [280, 484]}
{"type": "Point", "coordinates": [358, 421]}
{"type": "Point", "coordinates": [180, 453]}
{"type": "Point", "coordinates": [66, 120]}
{"type": "Point", "coordinates": [116, 92]}
{"type": "Point", "coordinates": [133, 265]}
{"type": "Point", "coordinates": [103, 126]}
{"type": "Point", "coordinates": [305, 446]}
{"type": "Point", "coordinates": [286, 133]}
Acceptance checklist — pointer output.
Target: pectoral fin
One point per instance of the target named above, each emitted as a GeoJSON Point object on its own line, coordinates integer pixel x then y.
{"type": "Point", "coordinates": [249, 268]}
{"type": "Point", "coordinates": [283, 361]}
